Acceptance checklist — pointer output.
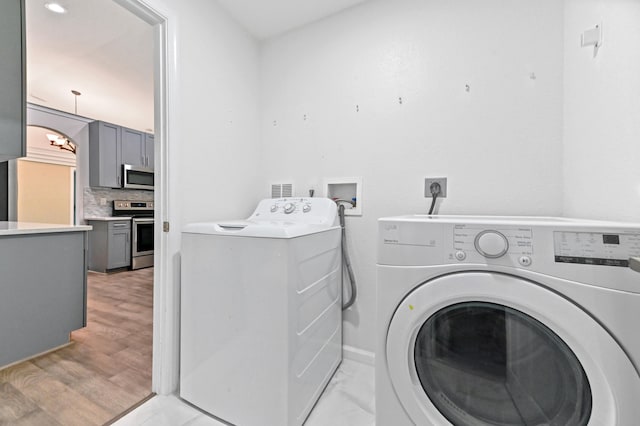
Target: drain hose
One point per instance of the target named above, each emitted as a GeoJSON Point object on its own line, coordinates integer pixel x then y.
{"type": "Point", "coordinates": [346, 262]}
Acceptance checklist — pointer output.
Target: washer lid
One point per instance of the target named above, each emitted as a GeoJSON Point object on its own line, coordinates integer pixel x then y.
{"type": "Point", "coordinates": [277, 218]}
{"type": "Point", "coordinates": [254, 228]}
{"type": "Point", "coordinates": [464, 342]}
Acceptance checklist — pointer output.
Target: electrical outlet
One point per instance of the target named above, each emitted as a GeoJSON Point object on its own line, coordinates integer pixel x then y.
{"type": "Point", "coordinates": [443, 186]}
{"type": "Point", "coordinates": [103, 201]}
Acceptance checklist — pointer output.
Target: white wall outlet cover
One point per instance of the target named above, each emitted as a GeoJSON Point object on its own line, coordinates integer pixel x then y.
{"type": "Point", "coordinates": [592, 37]}
{"type": "Point", "coordinates": [442, 181]}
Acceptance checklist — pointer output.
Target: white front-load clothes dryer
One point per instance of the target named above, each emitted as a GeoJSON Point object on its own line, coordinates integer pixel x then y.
{"type": "Point", "coordinates": [261, 312]}
{"type": "Point", "coordinates": [507, 321]}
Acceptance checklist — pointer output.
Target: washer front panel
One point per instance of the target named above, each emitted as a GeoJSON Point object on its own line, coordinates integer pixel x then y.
{"type": "Point", "coordinates": [579, 342]}
{"type": "Point", "coordinates": [483, 362]}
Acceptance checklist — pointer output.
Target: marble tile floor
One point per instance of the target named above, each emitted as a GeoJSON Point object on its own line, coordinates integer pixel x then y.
{"type": "Point", "coordinates": [348, 400]}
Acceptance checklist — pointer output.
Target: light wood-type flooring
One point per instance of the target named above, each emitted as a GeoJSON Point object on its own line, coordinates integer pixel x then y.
{"type": "Point", "coordinates": [104, 372]}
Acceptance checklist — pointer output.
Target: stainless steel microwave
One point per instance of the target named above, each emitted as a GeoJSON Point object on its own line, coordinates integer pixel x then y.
{"type": "Point", "coordinates": [135, 177]}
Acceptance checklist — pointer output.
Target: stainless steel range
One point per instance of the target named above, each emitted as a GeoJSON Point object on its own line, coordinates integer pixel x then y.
{"type": "Point", "coordinates": [142, 224]}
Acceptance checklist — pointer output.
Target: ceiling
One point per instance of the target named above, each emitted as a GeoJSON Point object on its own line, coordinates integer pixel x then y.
{"type": "Point", "coordinates": [106, 53]}
{"type": "Point", "coordinates": [97, 48]}
{"type": "Point", "coordinates": [268, 18]}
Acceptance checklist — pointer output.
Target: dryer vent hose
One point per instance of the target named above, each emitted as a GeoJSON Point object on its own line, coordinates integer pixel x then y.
{"type": "Point", "coordinates": [346, 262]}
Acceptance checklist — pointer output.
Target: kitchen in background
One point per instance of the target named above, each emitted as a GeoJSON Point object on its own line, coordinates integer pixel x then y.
{"type": "Point", "coordinates": [82, 72]}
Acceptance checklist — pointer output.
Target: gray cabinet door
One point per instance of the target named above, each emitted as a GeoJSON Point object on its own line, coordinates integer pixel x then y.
{"type": "Point", "coordinates": [150, 140]}
{"type": "Point", "coordinates": [105, 163]}
{"type": "Point", "coordinates": [109, 245]}
{"type": "Point", "coordinates": [12, 82]}
{"type": "Point", "coordinates": [133, 147]}
{"type": "Point", "coordinates": [119, 247]}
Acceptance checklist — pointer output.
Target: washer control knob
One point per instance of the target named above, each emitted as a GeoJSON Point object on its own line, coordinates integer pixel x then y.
{"type": "Point", "coordinates": [460, 255]}
{"type": "Point", "coordinates": [525, 260]}
{"type": "Point", "coordinates": [289, 208]}
{"type": "Point", "coordinates": [491, 244]}
{"type": "Point", "coordinates": [274, 208]}
{"type": "Point", "coordinates": [306, 208]}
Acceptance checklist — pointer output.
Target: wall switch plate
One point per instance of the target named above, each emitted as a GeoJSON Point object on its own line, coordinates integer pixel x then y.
{"type": "Point", "coordinates": [443, 186]}
{"type": "Point", "coordinates": [103, 201]}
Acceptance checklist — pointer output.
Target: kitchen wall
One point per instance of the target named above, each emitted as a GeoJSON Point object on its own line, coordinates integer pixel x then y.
{"type": "Point", "coordinates": [331, 107]}
{"type": "Point", "coordinates": [73, 126]}
{"type": "Point", "coordinates": [602, 100]}
{"type": "Point", "coordinates": [43, 181]}
{"type": "Point", "coordinates": [45, 193]}
{"type": "Point", "coordinates": [88, 199]}
{"type": "Point", "coordinates": [98, 202]}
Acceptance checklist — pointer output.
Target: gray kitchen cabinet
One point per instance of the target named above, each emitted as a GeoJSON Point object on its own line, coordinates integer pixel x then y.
{"type": "Point", "coordinates": [149, 149]}
{"type": "Point", "coordinates": [44, 287]}
{"type": "Point", "coordinates": [105, 155]}
{"type": "Point", "coordinates": [13, 104]}
{"type": "Point", "coordinates": [111, 146]}
{"type": "Point", "coordinates": [109, 244]}
{"type": "Point", "coordinates": [133, 147]}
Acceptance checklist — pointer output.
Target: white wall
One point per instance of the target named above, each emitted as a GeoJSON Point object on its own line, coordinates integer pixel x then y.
{"type": "Point", "coordinates": [499, 144]}
{"type": "Point", "coordinates": [214, 137]}
{"type": "Point", "coordinates": [210, 162]}
{"type": "Point", "coordinates": [602, 112]}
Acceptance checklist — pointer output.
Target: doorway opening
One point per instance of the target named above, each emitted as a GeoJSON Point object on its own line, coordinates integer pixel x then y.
{"type": "Point", "coordinates": [125, 345]}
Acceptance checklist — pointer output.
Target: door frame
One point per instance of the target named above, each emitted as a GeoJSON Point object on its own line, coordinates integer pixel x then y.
{"type": "Point", "coordinates": [165, 375]}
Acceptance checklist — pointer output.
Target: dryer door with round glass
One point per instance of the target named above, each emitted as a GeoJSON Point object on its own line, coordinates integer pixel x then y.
{"type": "Point", "coordinates": [489, 349]}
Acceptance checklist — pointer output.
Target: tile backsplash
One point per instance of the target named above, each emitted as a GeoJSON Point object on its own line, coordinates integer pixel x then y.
{"type": "Point", "coordinates": [92, 197]}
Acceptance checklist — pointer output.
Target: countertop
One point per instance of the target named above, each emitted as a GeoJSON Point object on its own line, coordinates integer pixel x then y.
{"type": "Point", "coordinates": [108, 218]}
{"type": "Point", "coordinates": [18, 228]}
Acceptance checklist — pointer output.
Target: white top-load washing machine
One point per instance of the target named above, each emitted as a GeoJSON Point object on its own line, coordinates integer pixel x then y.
{"type": "Point", "coordinates": [507, 321]}
{"type": "Point", "coordinates": [261, 317]}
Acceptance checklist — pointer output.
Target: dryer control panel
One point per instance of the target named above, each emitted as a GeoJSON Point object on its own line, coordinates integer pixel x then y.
{"type": "Point", "coordinates": [516, 240]}
{"type": "Point", "coordinates": [475, 242]}
{"type": "Point", "coordinates": [584, 251]}
{"type": "Point", "coordinates": [593, 248]}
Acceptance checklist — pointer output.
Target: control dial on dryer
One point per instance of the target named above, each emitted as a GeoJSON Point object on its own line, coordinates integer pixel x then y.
{"type": "Point", "coordinates": [491, 244]}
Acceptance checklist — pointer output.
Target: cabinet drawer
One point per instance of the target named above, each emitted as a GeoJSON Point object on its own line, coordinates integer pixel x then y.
{"type": "Point", "coordinates": [120, 224]}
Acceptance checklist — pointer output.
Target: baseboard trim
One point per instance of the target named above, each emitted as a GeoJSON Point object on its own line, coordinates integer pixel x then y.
{"type": "Point", "coordinates": [48, 351]}
{"type": "Point", "coordinates": [359, 355]}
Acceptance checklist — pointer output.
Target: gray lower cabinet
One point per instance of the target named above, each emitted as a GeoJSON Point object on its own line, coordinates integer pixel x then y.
{"type": "Point", "coordinates": [109, 245]}
{"type": "Point", "coordinates": [43, 292]}
{"type": "Point", "coordinates": [13, 104]}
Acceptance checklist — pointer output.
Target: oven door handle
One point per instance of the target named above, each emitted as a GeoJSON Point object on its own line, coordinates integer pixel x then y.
{"type": "Point", "coordinates": [143, 220]}
{"type": "Point", "coordinates": [134, 238]}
